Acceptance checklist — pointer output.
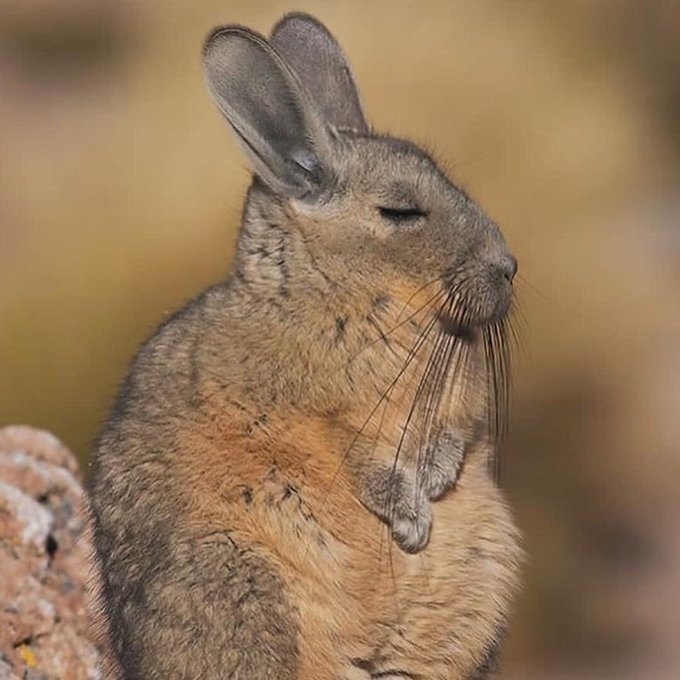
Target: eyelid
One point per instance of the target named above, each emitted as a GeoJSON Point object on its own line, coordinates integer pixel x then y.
{"type": "Point", "coordinates": [408, 214]}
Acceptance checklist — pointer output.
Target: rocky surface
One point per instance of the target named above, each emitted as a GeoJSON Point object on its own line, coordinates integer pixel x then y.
{"type": "Point", "coordinates": [44, 569]}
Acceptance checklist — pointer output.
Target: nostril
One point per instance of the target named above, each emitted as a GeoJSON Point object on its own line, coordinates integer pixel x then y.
{"type": "Point", "coordinates": [509, 268]}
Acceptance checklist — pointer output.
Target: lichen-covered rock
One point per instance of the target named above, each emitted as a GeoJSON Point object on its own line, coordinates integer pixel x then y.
{"type": "Point", "coordinates": [44, 564]}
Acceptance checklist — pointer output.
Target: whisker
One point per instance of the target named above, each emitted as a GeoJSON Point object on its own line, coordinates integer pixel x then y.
{"type": "Point", "coordinates": [420, 339]}
{"type": "Point", "coordinates": [524, 283]}
{"type": "Point", "coordinates": [383, 335]}
{"type": "Point", "coordinates": [414, 403]}
{"type": "Point", "coordinates": [440, 340]}
{"type": "Point", "coordinates": [420, 290]}
{"type": "Point", "coordinates": [433, 399]}
{"type": "Point", "coordinates": [497, 355]}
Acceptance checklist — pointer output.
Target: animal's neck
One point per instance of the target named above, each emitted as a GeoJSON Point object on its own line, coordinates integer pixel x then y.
{"type": "Point", "coordinates": [273, 263]}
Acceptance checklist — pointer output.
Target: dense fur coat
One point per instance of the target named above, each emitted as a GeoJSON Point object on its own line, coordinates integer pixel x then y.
{"type": "Point", "coordinates": [294, 482]}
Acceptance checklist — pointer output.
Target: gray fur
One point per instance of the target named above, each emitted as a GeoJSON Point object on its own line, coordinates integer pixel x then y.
{"type": "Point", "coordinates": [438, 471]}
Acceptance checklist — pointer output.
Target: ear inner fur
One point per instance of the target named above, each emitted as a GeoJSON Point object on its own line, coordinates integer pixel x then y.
{"type": "Point", "coordinates": [313, 53]}
{"type": "Point", "coordinates": [274, 120]}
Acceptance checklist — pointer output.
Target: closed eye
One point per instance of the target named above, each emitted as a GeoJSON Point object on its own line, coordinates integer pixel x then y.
{"type": "Point", "coordinates": [401, 215]}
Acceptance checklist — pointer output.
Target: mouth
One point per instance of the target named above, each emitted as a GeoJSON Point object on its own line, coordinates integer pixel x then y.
{"type": "Point", "coordinates": [453, 327]}
{"type": "Point", "coordinates": [466, 313]}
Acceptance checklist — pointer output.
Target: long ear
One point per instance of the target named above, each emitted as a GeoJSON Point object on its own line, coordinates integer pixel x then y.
{"type": "Point", "coordinates": [268, 109]}
{"type": "Point", "coordinates": [312, 52]}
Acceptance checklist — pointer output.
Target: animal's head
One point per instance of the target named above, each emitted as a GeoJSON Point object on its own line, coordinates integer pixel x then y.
{"type": "Point", "coordinates": [377, 211]}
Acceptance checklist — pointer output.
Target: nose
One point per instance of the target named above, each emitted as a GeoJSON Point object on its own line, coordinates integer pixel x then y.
{"type": "Point", "coordinates": [508, 267]}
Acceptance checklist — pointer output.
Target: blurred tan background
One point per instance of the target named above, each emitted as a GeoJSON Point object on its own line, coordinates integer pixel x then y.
{"type": "Point", "coordinates": [120, 192]}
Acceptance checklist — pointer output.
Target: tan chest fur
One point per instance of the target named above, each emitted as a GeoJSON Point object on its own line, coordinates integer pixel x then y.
{"type": "Point", "coordinates": [279, 489]}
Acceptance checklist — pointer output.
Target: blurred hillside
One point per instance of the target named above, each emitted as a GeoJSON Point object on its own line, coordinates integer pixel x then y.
{"type": "Point", "coordinates": [120, 193]}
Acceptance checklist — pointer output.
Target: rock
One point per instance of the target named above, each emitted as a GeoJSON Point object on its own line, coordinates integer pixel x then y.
{"type": "Point", "coordinates": [44, 562]}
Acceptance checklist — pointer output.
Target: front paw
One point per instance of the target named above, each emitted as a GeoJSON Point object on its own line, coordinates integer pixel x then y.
{"type": "Point", "coordinates": [411, 531]}
{"type": "Point", "coordinates": [440, 468]}
{"type": "Point", "coordinates": [394, 497]}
